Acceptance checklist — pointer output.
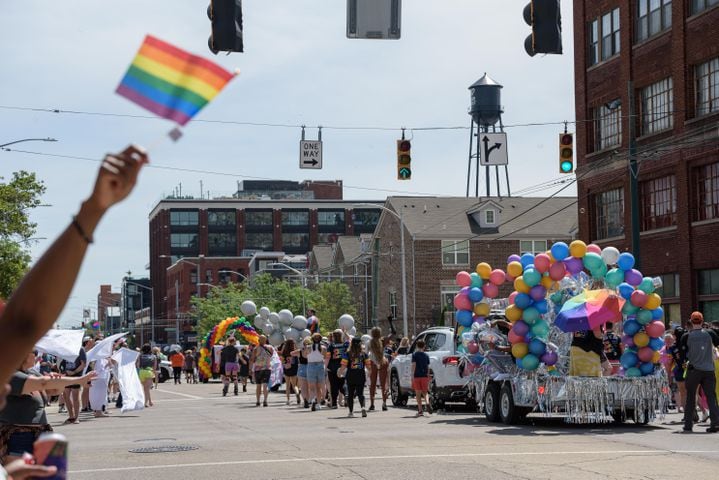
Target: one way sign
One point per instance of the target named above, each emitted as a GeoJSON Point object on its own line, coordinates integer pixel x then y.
{"type": "Point", "coordinates": [494, 149]}
{"type": "Point", "coordinates": [311, 154]}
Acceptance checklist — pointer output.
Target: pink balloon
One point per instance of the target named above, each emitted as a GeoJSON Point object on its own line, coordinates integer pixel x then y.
{"type": "Point", "coordinates": [514, 337]}
{"type": "Point", "coordinates": [638, 298]}
{"type": "Point", "coordinates": [645, 354]}
{"type": "Point", "coordinates": [497, 276]}
{"type": "Point", "coordinates": [490, 290]}
{"type": "Point", "coordinates": [463, 279]}
{"type": "Point", "coordinates": [557, 271]}
{"type": "Point", "coordinates": [512, 296]}
{"type": "Point", "coordinates": [542, 263]}
{"type": "Point", "coordinates": [594, 248]}
{"type": "Point", "coordinates": [655, 329]}
{"type": "Point", "coordinates": [473, 348]}
{"type": "Point", "coordinates": [462, 302]}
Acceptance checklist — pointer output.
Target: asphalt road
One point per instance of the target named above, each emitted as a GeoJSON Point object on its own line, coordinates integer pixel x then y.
{"type": "Point", "coordinates": [237, 440]}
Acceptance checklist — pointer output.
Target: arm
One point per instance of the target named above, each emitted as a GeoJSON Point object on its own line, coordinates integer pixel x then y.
{"type": "Point", "coordinates": [37, 302]}
{"type": "Point", "coordinates": [715, 337]}
{"type": "Point", "coordinates": [34, 384]}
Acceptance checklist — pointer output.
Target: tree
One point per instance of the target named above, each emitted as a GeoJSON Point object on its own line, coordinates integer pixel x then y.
{"type": "Point", "coordinates": [332, 300]}
{"type": "Point", "coordinates": [17, 198]}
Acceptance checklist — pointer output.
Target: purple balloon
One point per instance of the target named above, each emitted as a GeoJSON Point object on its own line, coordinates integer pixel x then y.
{"type": "Point", "coordinates": [549, 358]}
{"type": "Point", "coordinates": [538, 292]}
{"type": "Point", "coordinates": [514, 258]}
{"type": "Point", "coordinates": [633, 277]}
{"type": "Point", "coordinates": [464, 291]}
{"type": "Point", "coordinates": [573, 265]}
{"type": "Point", "coordinates": [520, 328]}
{"type": "Point", "coordinates": [628, 340]}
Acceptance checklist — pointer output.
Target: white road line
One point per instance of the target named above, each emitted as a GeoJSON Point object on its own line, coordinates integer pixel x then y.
{"type": "Point", "coordinates": [391, 457]}
{"type": "Point", "coordinates": [194, 397]}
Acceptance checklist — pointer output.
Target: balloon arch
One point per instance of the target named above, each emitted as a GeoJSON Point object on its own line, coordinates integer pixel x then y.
{"type": "Point", "coordinates": [214, 336]}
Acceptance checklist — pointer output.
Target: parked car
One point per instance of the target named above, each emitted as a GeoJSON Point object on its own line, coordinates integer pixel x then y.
{"type": "Point", "coordinates": [164, 371]}
{"type": "Point", "coordinates": [446, 384]}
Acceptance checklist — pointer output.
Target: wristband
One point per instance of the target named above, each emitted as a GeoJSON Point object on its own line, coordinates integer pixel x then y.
{"type": "Point", "coordinates": [80, 230]}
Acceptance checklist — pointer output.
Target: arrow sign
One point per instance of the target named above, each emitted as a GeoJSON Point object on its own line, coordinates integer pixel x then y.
{"type": "Point", "coordinates": [404, 173]}
{"type": "Point", "coordinates": [311, 154]}
{"type": "Point", "coordinates": [312, 162]}
{"type": "Point", "coordinates": [496, 154]}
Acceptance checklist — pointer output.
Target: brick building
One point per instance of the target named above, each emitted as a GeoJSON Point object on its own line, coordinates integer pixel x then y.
{"type": "Point", "coordinates": [446, 235]}
{"type": "Point", "coordinates": [649, 71]}
{"type": "Point", "coordinates": [108, 309]}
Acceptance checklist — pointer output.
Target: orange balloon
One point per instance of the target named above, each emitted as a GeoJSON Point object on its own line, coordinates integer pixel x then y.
{"type": "Point", "coordinates": [520, 286]}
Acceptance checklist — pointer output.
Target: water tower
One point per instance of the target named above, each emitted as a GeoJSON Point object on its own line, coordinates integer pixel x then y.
{"type": "Point", "coordinates": [486, 111]}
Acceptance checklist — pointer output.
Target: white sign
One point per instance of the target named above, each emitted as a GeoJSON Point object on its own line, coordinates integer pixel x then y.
{"type": "Point", "coordinates": [493, 148]}
{"type": "Point", "coordinates": [311, 154]}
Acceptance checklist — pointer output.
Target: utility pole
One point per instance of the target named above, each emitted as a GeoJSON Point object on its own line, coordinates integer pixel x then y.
{"type": "Point", "coordinates": [177, 311]}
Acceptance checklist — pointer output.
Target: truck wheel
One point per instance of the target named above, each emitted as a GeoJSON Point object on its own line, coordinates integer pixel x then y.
{"type": "Point", "coordinates": [491, 402]}
{"type": "Point", "coordinates": [434, 399]}
{"type": "Point", "coordinates": [508, 411]}
{"type": "Point", "coordinates": [398, 398]}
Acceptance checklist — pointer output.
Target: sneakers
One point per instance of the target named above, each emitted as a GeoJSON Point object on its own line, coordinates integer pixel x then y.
{"type": "Point", "coordinates": [307, 404]}
{"type": "Point", "coordinates": [384, 406]}
{"type": "Point", "coordinates": [244, 388]}
{"type": "Point", "coordinates": [364, 413]}
{"type": "Point", "coordinates": [224, 392]}
{"type": "Point", "coordinates": [713, 429]}
{"type": "Point", "coordinates": [264, 404]}
{"type": "Point", "coordinates": [429, 409]}
{"type": "Point", "coordinates": [371, 408]}
{"type": "Point", "coordinates": [257, 404]}
{"type": "Point", "coordinates": [351, 415]}
{"type": "Point", "coordinates": [61, 409]}
{"type": "Point", "coordinates": [314, 406]}
{"type": "Point", "coordinates": [419, 414]}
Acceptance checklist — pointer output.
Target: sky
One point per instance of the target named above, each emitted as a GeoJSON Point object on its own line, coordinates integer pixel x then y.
{"type": "Point", "coordinates": [298, 69]}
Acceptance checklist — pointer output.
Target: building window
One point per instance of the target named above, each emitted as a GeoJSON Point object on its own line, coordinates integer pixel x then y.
{"type": "Point", "coordinates": [183, 218]}
{"type": "Point", "coordinates": [183, 240]}
{"type": "Point", "coordinates": [654, 16]}
{"type": "Point", "coordinates": [709, 282]}
{"type": "Point", "coordinates": [659, 202]}
{"type": "Point", "coordinates": [608, 125]}
{"type": "Point", "coordinates": [609, 213]}
{"type": "Point", "coordinates": [533, 246]}
{"type": "Point", "coordinates": [193, 276]}
{"type": "Point", "coordinates": [707, 86]}
{"type": "Point", "coordinates": [208, 276]}
{"type": "Point", "coordinates": [657, 105]}
{"type": "Point", "coordinates": [224, 275]}
{"type": "Point", "coordinates": [221, 218]}
{"type": "Point", "coordinates": [670, 286]}
{"type": "Point", "coordinates": [296, 242]}
{"type": "Point", "coordinates": [367, 218]}
{"type": "Point", "coordinates": [335, 218]}
{"type": "Point", "coordinates": [393, 304]}
{"type": "Point", "coordinates": [489, 217]}
{"type": "Point", "coordinates": [328, 237]}
{"type": "Point", "coordinates": [604, 38]}
{"type": "Point", "coordinates": [221, 243]}
{"type": "Point", "coordinates": [455, 252]}
{"type": "Point", "coordinates": [295, 218]}
{"type": "Point", "coordinates": [706, 179]}
{"type": "Point", "coordinates": [258, 218]}
{"type": "Point", "coordinates": [259, 241]}
{"type": "Point", "coordinates": [700, 5]}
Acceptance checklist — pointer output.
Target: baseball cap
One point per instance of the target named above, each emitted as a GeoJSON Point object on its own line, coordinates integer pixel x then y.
{"type": "Point", "coordinates": [697, 318]}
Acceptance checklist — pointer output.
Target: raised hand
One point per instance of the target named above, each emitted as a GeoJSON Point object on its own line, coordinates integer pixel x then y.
{"type": "Point", "coordinates": [117, 177]}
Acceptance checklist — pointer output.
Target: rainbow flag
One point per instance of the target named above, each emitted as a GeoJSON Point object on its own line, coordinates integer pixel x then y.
{"type": "Point", "coordinates": [170, 82]}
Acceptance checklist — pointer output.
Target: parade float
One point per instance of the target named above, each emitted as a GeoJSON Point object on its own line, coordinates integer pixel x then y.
{"type": "Point", "coordinates": [559, 296]}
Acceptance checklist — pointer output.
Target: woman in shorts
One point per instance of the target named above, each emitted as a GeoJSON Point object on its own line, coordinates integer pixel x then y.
{"type": "Point", "coordinates": [244, 367]}
{"type": "Point", "coordinates": [261, 367]}
{"type": "Point", "coordinates": [316, 369]}
{"type": "Point", "coordinates": [290, 365]}
{"type": "Point", "coordinates": [147, 366]}
{"type": "Point", "coordinates": [302, 369]}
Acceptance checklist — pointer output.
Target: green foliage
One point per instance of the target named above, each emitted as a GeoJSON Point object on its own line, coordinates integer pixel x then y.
{"type": "Point", "coordinates": [17, 197]}
{"type": "Point", "coordinates": [333, 299]}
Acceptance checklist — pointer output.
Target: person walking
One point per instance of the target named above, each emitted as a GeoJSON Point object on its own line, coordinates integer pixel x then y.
{"type": "Point", "coordinates": [335, 354]}
{"type": "Point", "coordinates": [244, 367]}
{"type": "Point", "coordinates": [379, 367]}
{"type": "Point", "coordinates": [147, 365]}
{"type": "Point", "coordinates": [354, 364]}
{"type": "Point", "coordinates": [313, 323]}
{"type": "Point", "coordinates": [697, 349]}
{"type": "Point", "coordinates": [290, 364]}
{"type": "Point", "coordinates": [316, 370]}
{"type": "Point", "coordinates": [420, 376]}
{"type": "Point", "coordinates": [177, 361]}
{"type": "Point", "coordinates": [261, 367]}
{"type": "Point", "coordinates": [160, 357]}
{"type": "Point", "coordinates": [230, 358]}
{"type": "Point", "coordinates": [189, 367]}
{"type": "Point", "coordinates": [72, 392]}
{"type": "Point", "coordinates": [301, 355]}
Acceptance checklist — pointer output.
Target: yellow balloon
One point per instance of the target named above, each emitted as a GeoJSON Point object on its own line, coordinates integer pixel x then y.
{"type": "Point", "coordinates": [577, 249]}
{"type": "Point", "coordinates": [513, 313]}
{"type": "Point", "coordinates": [551, 257]}
{"type": "Point", "coordinates": [641, 339]}
{"type": "Point", "coordinates": [514, 269]}
{"type": "Point", "coordinates": [654, 301]}
{"type": "Point", "coordinates": [547, 282]}
{"type": "Point", "coordinates": [484, 270]}
{"type": "Point", "coordinates": [520, 286]}
{"type": "Point", "coordinates": [481, 309]}
{"type": "Point", "coordinates": [519, 350]}
{"type": "Point", "coordinates": [656, 357]}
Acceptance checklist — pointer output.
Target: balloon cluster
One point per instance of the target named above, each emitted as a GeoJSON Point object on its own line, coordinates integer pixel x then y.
{"type": "Point", "coordinates": [477, 286]}
{"type": "Point", "coordinates": [238, 324]}
{"type": "Point", "coordinates": [279, 326]}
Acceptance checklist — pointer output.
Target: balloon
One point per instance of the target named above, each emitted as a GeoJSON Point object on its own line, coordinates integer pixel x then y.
{"type": "Point", "coordinates": [556, 298]}
{"type": "Point", "coordinates": [520, 328]}
{"type": "Point", "coordinates": [274, 318]}
{"type": "Point", "coordinates": [473, 348]}
{"type": "Point", "coordinates": [633, 277]}
{"type": "Point", "coordinates": [514, 258]}
{"type": "Point", "coordinates": [638, 298]}
{"type": "Point", "coordinates": [484, 270]}
{"type": "Point", "coordinates": [646, 368]}
{"type": "Point", "coordinates": [644, 316]}
{"type": "Point", "coordinates": [631, 327]}
{"type": "Point", "coordinates": [514, 337]}
{"type": "Point", "coordinates": [511, 297]}
{"type": "Point", "coordinates": [610, 255]}
{"type": "Point", "coordinates": [365, 339]}
{"type": "Point", "coordinates": [540, 329]}
{"type": "Point", "coordinates": [646, 285]}
{"type": "Point", "coordinates": [513, 313]}
{"type": "Point", "coordinates": [628, 341]}
{"type": "Point", "coordinates": [557, 271]}
{"type": "Point", "coordinates": [268, 329]}
{"type": "Point", "coordinates": [276, 338]}
{"type": "Point", "coordinates": [530, 315]}
{"type": "Point", "coordinates": [577, 249]}
{"type": "Point", "coordinates": [248, 307]}
{"type": "Point", "coordinates": [549, 358]}
{"type": "Point", "coordinates": [514, 269]}
{"type": "Point", "coordinates": [560, 251]}
{"type": "Point", "coordinates": [629, 309]}
{"type": "Point", "coordinates": [475, 294]}
{"type": "Point", "coordinates": [527, 260]}
{"type": "Point", "coordinates": [462, 302]}
{"type": "Point", "coordinates": [538, 293]}
{"type": "Point", "coordinates": [655, 329]}
{"type": "Point", "coordinates": [519, 350]}
{"type": "Point", "coordinates": [641, 339]}
{"type": "Point", "coordinates": [542, 262]}
{"type": "Point", "coordinates": [614, 278]}
{"type": "Point", "coordinates": [258, 322]}
{"type": "Point", "coordinates": [625, 290]}
{"type": "Point", "coordinates": [656, 358]}
{"type": "Point", "coordinates": [594, 248]}
{"type": "Point", "coordinates": [537, 347]}
{"type": "Point", "coordinates": [599, 272]}
{"type": "Point", "coordinates": [592, 261]}
{"type": "Point", "coordinates": [520, 285]}
{"type": "Point", "coordinates": [497, 277]}
{"type": "Point", "coordinates": [490, 290]}
{"type": "Point", "coordinates": [547, 281]}
{"type": "Point", "coordinates": [476, 280]}
{"type": "Point", "coordinates": [530, 362]}
{"type": "Point", "coordinates": [653, 301]}
{"type": "Point", "coordinates": [625, 261]}
{"type": "Point", "coordinates": [531, 277]}
{"type": "Point", "coordinates": [628, 360]}
{"type": "Point", "coordinates": [293, 333]}
{"type": "Point", "coordinates": [658, 313]}
{"type": "Point", "coordinates": [346, 322]}
{"type": "Point", "coordinates": [353, 332]}
{"type": "Point", "coordinates": [265, 313]}
{"type": "Point", "coordinates": [299, 322]}
{"type": "Point", "coordinates": [645, 354]}
{"type": "Point", "coordinates": [522, 300]}
{"type": "Point", "coordinates": [542, 306]}
{"type": "Point", "coordinates": [656, 344]}
{"type": "Point", "coordinates": [633, 372]}
{"type": "Point", "coordinates": [463, 279]}
{"type": "Point", "coordinates": [573, 265]}
{"type": "Point", "coordinates": [481, 309]}
{"type": "Point", "coordinates": [286, 317]}
{"type": "Point", "coordinates": [464, 318]}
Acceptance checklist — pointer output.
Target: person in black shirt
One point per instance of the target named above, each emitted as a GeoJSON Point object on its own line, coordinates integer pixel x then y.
{"type": "Point", "coordinates": [72, 392]}
{"type": "Point", "coordinates": [420, 376]}
{"type": "Point", "coordinates": [335, 353]}
{"type": "Point", "coordinates": [354, 364]}
{"type": "Point", "coordinates": [244, 367]}
{"type": "Point", "coordinates": [229, 357]}
{"type": "Point", "coordinates": [290, 365]}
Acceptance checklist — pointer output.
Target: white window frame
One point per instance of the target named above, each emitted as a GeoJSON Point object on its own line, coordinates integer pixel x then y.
{"type": "Point", "coordinates": [607, 126]}
{"type": "Point", "coordinates": [535, 250]}
{"type": "Point", "coordinates": [657, 106]}
{"type": "Point", "coordinates": [494, 216]}
{"type": "Point", "coordinates": [455, 248]}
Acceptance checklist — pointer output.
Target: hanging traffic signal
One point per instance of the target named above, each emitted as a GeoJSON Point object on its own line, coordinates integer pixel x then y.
{"type": "Point", "coordinates": [545, 18]}
{"type": "Point", "coordinates": [404, 159]}
{"type": "Point", "coordinates": [566, 153]}
{"type": "Point", "coordinates": [226, 18]}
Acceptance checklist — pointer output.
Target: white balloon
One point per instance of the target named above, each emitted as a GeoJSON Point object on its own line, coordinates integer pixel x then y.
{"type": "Point", "coordinates": [268, 329]}
{"type": "Point", "coordinates": [352, 331]}
{"type": "Point", "coordinates": [258, 322]}
{"type": "Point", "coordinates": [286, 317]}
{"type": "Point", "coordinates": [248, 307]}
{"type": "Point", "coordinates": [265, 313]}
{"type": "Point", "coordinates": [299, 322]}
{"type": "Point", "coordinates": [305, 333]}
{"type": "Point", "coordinates": [610, 255]}
{"type": "Point", "coordinates": [274, 318]}
{"type": "Point", "coordinates": [293, 333]}
{"type": "Point", "coordinates": [276, 339]}
{"type": "Point", "coordinates": [366, 339]}
{"type": "Point", "coordinates": [346, 321]}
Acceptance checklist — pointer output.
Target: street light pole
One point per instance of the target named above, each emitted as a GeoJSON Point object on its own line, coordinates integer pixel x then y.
{"type": "Point", "coordinates": [177, 311]}
{"type": "Point", "coordinates": [303, 276]}
{"type": "Point", "coordinates": [29, 140]}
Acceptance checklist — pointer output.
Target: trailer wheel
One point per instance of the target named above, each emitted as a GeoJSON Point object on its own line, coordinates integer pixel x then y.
{"type": "Point", "coordinates": [491, 402]}
{"type": "Point", "coordinates": [508, 411]}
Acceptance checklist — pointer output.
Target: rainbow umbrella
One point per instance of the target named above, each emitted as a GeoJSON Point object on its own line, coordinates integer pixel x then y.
{"type": "Point", "coordinates": [589, 309]}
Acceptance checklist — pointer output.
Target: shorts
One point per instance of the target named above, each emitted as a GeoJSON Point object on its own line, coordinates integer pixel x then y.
{"type": "Point", "coordinates": [146, 373]}
{"type": "Point", "coordinates": [316, 372]}
{"type": "Point", "coordinates": [420, 384]}
{"type": "Point", "coordinates": [302, 370]}
{"type": "Point", "coordinates": [231, 368]}
{"type": "Point", "coordinates": [190, 370]}
{"type": "Point", "coordinates": [262, 376]}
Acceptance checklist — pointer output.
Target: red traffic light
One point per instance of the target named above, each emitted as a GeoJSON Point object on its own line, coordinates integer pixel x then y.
{"type": "Point", "coordinates": [404, 145]}
{"type": "Point", "coordinates": [566, 139]}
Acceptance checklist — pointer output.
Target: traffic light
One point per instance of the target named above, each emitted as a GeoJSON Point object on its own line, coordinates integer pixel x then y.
{"type": "Point", "coordinates": [404, 159]}
{"type": "Point", "coordinates": [566, 153]}
{"type": "Point", "coordinates": [226, 18]}
{"type": "Point", "coordinates": [545, 18]}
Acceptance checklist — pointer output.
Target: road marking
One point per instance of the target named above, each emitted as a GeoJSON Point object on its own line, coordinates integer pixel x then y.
{"type": "Point", "coordinates": [389, 457]}
{"type": "Point", "coordinates": [194, 397]}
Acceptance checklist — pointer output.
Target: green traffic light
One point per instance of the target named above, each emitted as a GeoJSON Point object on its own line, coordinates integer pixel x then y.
{"type": "Point", "coordinates": [566, 167]}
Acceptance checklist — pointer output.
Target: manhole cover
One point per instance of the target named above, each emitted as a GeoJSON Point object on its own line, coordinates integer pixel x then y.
{"type": "Point", "coordinates": [165, 449]}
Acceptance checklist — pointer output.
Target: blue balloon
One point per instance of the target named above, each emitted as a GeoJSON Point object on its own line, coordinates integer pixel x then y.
{"type": "Point", "coordinates": [628, 360]}
{"type": "Point", "coordinates": [522, 300]}
{"type": "Point", "coordinates": [518, 361]}
{"type": "Point", "coordinates": [625, 290]}
{"type": "Point", "coordinates": [626, 261]}
{"type": "Point", "coordinates": [526, 260]}
{"type": "Point", "coordinates": [542, 306]}
{"type": "Point", "coordinates": [464, 318]}
{"type": "Point", "coordinates": [646, 368]}
{"type": "Point", "coordinates": [560, 251]}
{"type": "Point", "coordinates": [631, 327]}
{"type": "Point", "coordinates": [656, 344]}
{"type": "Point", "coordinates": [475, 294]}
{"type": "Point", "coordinates": [658, 313]}
{"type": "Point", "coordinates": [537, 347]}
{"type": "Point", "coordinates": [476, 279]}
{"type": "Point", "coordinates": [476, 359]}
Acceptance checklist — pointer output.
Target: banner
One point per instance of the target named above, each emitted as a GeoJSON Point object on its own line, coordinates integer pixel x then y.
{"type": "Point", "coordinates": [64, 344]}
{"type": "Point", "coordinates": [133, 398]}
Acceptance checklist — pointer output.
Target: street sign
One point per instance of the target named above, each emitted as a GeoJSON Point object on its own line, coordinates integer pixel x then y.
{"type": "Point", "coordinates": [169, 329]}
{"type": "Point", "coordinates": [494, 149]}
{"type": "Point", "coordinates": [311, 154]}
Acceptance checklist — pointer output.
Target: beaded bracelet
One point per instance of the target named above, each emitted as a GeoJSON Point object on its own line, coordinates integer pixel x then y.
{"type": "Point", "coordinates": [80, 230]}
